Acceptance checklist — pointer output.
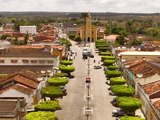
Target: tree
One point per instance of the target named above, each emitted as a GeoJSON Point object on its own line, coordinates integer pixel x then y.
{"type": "Point", "coordinates": [78, 39]}
{"type": "Point", "coordinates": [57, 81]}
{"type": "Point", "coordinates": [41, 115]}
{"type": "Point", "coordinates": [51, 105]}
{"type": "Point", "coordinates": [67, 69]}
{"type": "Point", "coordinates": [26, 38]}
{"type": "Point", "coordinates": [130, 104]}
{"type": "Point", "coordinates": [121, 40]}
{"type": "Point", "coordinates": [117, 81]}
{"type": "Point", "coordinates": [121, 90]}
{"type": "Point", "coordinates": [66, 62]}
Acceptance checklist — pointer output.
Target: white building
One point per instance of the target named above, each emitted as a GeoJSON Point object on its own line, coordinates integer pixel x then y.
{"type": "Point", "coordinates": [28, 29]}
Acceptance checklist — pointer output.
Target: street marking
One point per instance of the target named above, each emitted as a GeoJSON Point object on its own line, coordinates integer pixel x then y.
{"type": "Point", "coordinates": [87, 111]}
{"type": "Point", "coordinates": [86, 97]}
{"type": "Point", "coordinates": [86, 87]}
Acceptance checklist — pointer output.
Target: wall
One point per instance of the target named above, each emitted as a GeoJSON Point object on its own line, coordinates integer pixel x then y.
{"type": "Point", "coordinates": [29, 29]}
{"type": "Point", "coordinates": [15, 93]}
{"type": "Point", "coordinates": [147, 108]}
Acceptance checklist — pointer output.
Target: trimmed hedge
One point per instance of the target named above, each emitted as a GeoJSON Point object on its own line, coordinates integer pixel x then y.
{"type": "Point", "coordinates": [121, 90]}
{"type": "Point", "coordinates": [57, 81]}
{"type": "Point", "coordinates": [112, 67]}
{"type": "Point", "coordinates": [60, 75]}
{"type": "Point", "coordinates": [131, 118]}
{"type": "Point", "coordinates": [52, 92]}
{"type": "Point", "coordinates": [103, 49]}
{"type": "Point", "coordinates": [47, 106]}
{"type": "Point", "coordinates": [108, 62]}
{"type": "Point", "coordinates": [129, 103]}
{"type": "Point", "coordinates": [41, 115]}
{"type": "Point", "coordinates": [107, 58]}
{"type": "Point", "coordinates": [113, 73]}
{"type": "Point", "coordinates": [117, 81]}
{"type": "Point", "coordinates": [107, 53]}
{"type": "Point", "coordinates": [66, 69]}
{"type": "Point", "coordinates": [66, 62]}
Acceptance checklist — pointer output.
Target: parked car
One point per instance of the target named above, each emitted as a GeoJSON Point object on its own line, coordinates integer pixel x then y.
{"type": "Point", "coordinates": [64, 90]}
{"type": "Point", "coordinates": [91, 56]}
{"type": "Point", "coordinates": [97, 67]}
{"type": "Point", "coordinates": [108, 82]}
{"type": "Point", "coordinates": [120, 112]}
{"type": "Point", "coordinates": [111, 93]}
{"type": "Point", "coordinates": [105, 68]}
{"type": "Point", "coordinates": [114, 102]}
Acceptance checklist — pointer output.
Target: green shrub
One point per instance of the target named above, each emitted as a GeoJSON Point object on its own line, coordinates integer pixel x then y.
{"type": "Point", "coordinates": [108, 62]}
{"type": "Point", "coordinates": [103, 49]}
{"type": "Point", "coordinates": [113, 73]}
{"type": "Point", "coordinates": [66, 69]}
{"type": "Point", "coordinates": [66, 62]}
{"type": "Point", "coordinates": [112, 67]}
{"type": "Point", "coordinates": [129, 103]}
{"type": "Point", "coordinates": [57, 81]}
{"type": "Point", "coordinates": [131, 118]}
{"type": "Point", "coordinates": [52, 92]}
{"type": "Point", "coordinates": [41, 115]}
{"type": "Point", "coordinates": [117, 81]}
{"type": "Point", "coordinates": [60, 75]}
{"type": "Point", "coordinates": [107, 58]}
{"type": "Point", "coordinates": [107, 53]}
{"type": "Point", "coordinates": [121, 90]}
{"type": "Point", "coordinates": [47, 106]}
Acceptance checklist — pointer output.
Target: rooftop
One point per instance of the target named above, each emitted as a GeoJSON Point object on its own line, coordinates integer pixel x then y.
{"type": "Point", "coordinates": [140, 53]}
{"type": "Point", "coordinates": [143, 66]}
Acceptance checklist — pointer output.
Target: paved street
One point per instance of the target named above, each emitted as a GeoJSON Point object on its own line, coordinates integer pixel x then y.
{"type": "Point", "coordinates": [74, 102]}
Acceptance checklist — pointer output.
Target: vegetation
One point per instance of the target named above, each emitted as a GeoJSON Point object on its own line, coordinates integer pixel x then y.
{"type": "Point", "coordinates": [103, 49]}
{"type": "Point", "coordinates": [41, 115]}
{"type": "Point", "coordinates": [129, 103]}
{"type": "Point", "coordinates": [108, 62]}
{"type": "Point", "coordinates": [107, 53]}
{"type": "Point", "coordinates": [107, 58]}
{"type": "Point", "coordinates": [52, 92]}
{"type": "Point", "coordinates": [117, 81]}
{"type": "Point", "coordinates": [112, 67]}
{"type": "Point", "coordinates": [121, 40]}
{"type": "Point", "coordinates": [60, 75]}
{"type": "Point", "coordinates": [131, 118]}
{"type": "Point", "coordinates": [113, 73]}
{"type": "Point", "coordinates": [66, 62]}
{"type": "Point", "coordinates": [47, 106]}
{"type": "Point", "coordinates": [57, 81]}
{"type": "Point", "coordinates": [66, 69]}
{"type": "Point", "coordinates": [121, 90]}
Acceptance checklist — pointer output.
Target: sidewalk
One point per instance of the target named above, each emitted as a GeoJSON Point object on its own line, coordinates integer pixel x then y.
{"type": "Point", "coordinates": [140, 113]}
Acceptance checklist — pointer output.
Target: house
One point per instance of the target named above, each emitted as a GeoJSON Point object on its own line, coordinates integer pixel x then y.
{"type": "Point", "coordinates": [28, 29]}
{"type": "Point", "coordinates": [23, 84]}
{"type": "Point", "coordinates": [149, 69]}
{"type": "Point", "coordinates": [58, 50]}
{"type": "Point", "coordinates": [35, 58]}
{"type": "Point", "coordinates": [134, 55]}
{"type": "Point", "coordinates": [150, 96]}
{"type": "Point", "coordinates": [12, 108]}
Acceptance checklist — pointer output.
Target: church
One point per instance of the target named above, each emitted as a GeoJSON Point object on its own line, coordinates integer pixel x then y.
{"type": "Point", "coordinates": [88, 32]}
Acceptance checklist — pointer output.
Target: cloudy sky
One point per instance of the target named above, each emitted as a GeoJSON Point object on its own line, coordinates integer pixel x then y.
{"type": "Point", "coordinates": [125, 6]}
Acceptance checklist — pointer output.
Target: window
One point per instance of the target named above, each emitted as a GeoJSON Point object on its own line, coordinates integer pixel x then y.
{"type": "Point", "coordinates": [33, 61]}
{"type": "Point", "coordinates": [1, 61]}
{"type": "Point", "coordinates": [50, 61]}
{"type": "Point", "coordinates": [14, 61]}
{"type": "Point", "coordinates": [25, 61]}
{"type": "Point", "coordinates": [42, 61]}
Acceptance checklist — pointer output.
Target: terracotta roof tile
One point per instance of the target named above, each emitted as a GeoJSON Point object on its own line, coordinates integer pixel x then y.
{"type": "Point", "coordinates": [143, 66]}
{"type": "Point", "coordinates": [157, 104]}
{"type": "Point", "coordinates": [20, 88]}
{"type": "Point", "coordinates": [152, 88]}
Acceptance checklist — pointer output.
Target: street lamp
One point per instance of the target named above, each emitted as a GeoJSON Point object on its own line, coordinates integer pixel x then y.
{"type": "Point", "coordinates": [136, 82]}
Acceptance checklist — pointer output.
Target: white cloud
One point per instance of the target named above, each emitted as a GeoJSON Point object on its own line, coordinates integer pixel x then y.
{"type": "Point", "coordinates": [134, 6]}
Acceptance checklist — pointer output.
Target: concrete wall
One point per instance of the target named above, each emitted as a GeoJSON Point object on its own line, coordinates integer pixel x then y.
{"type": "Point", "coordinates": [28, 29]}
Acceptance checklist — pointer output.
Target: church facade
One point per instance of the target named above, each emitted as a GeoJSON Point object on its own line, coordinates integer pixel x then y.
{"type": "Point", "coordinates": [88, 32]}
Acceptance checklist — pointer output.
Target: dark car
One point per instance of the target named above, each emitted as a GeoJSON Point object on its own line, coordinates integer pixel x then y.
{"type": "Point", "coordinates": [97, 67]}
{"type": "Point", "coordinates": [91, 56]}
{"type": "Point", "coordinates": [120, 112]}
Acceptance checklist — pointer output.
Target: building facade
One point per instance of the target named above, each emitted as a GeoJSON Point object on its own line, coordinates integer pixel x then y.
{"type": "Point", "coordinates": [28, 29]}
{"type": "Point", "coordinates": [88, 32]}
